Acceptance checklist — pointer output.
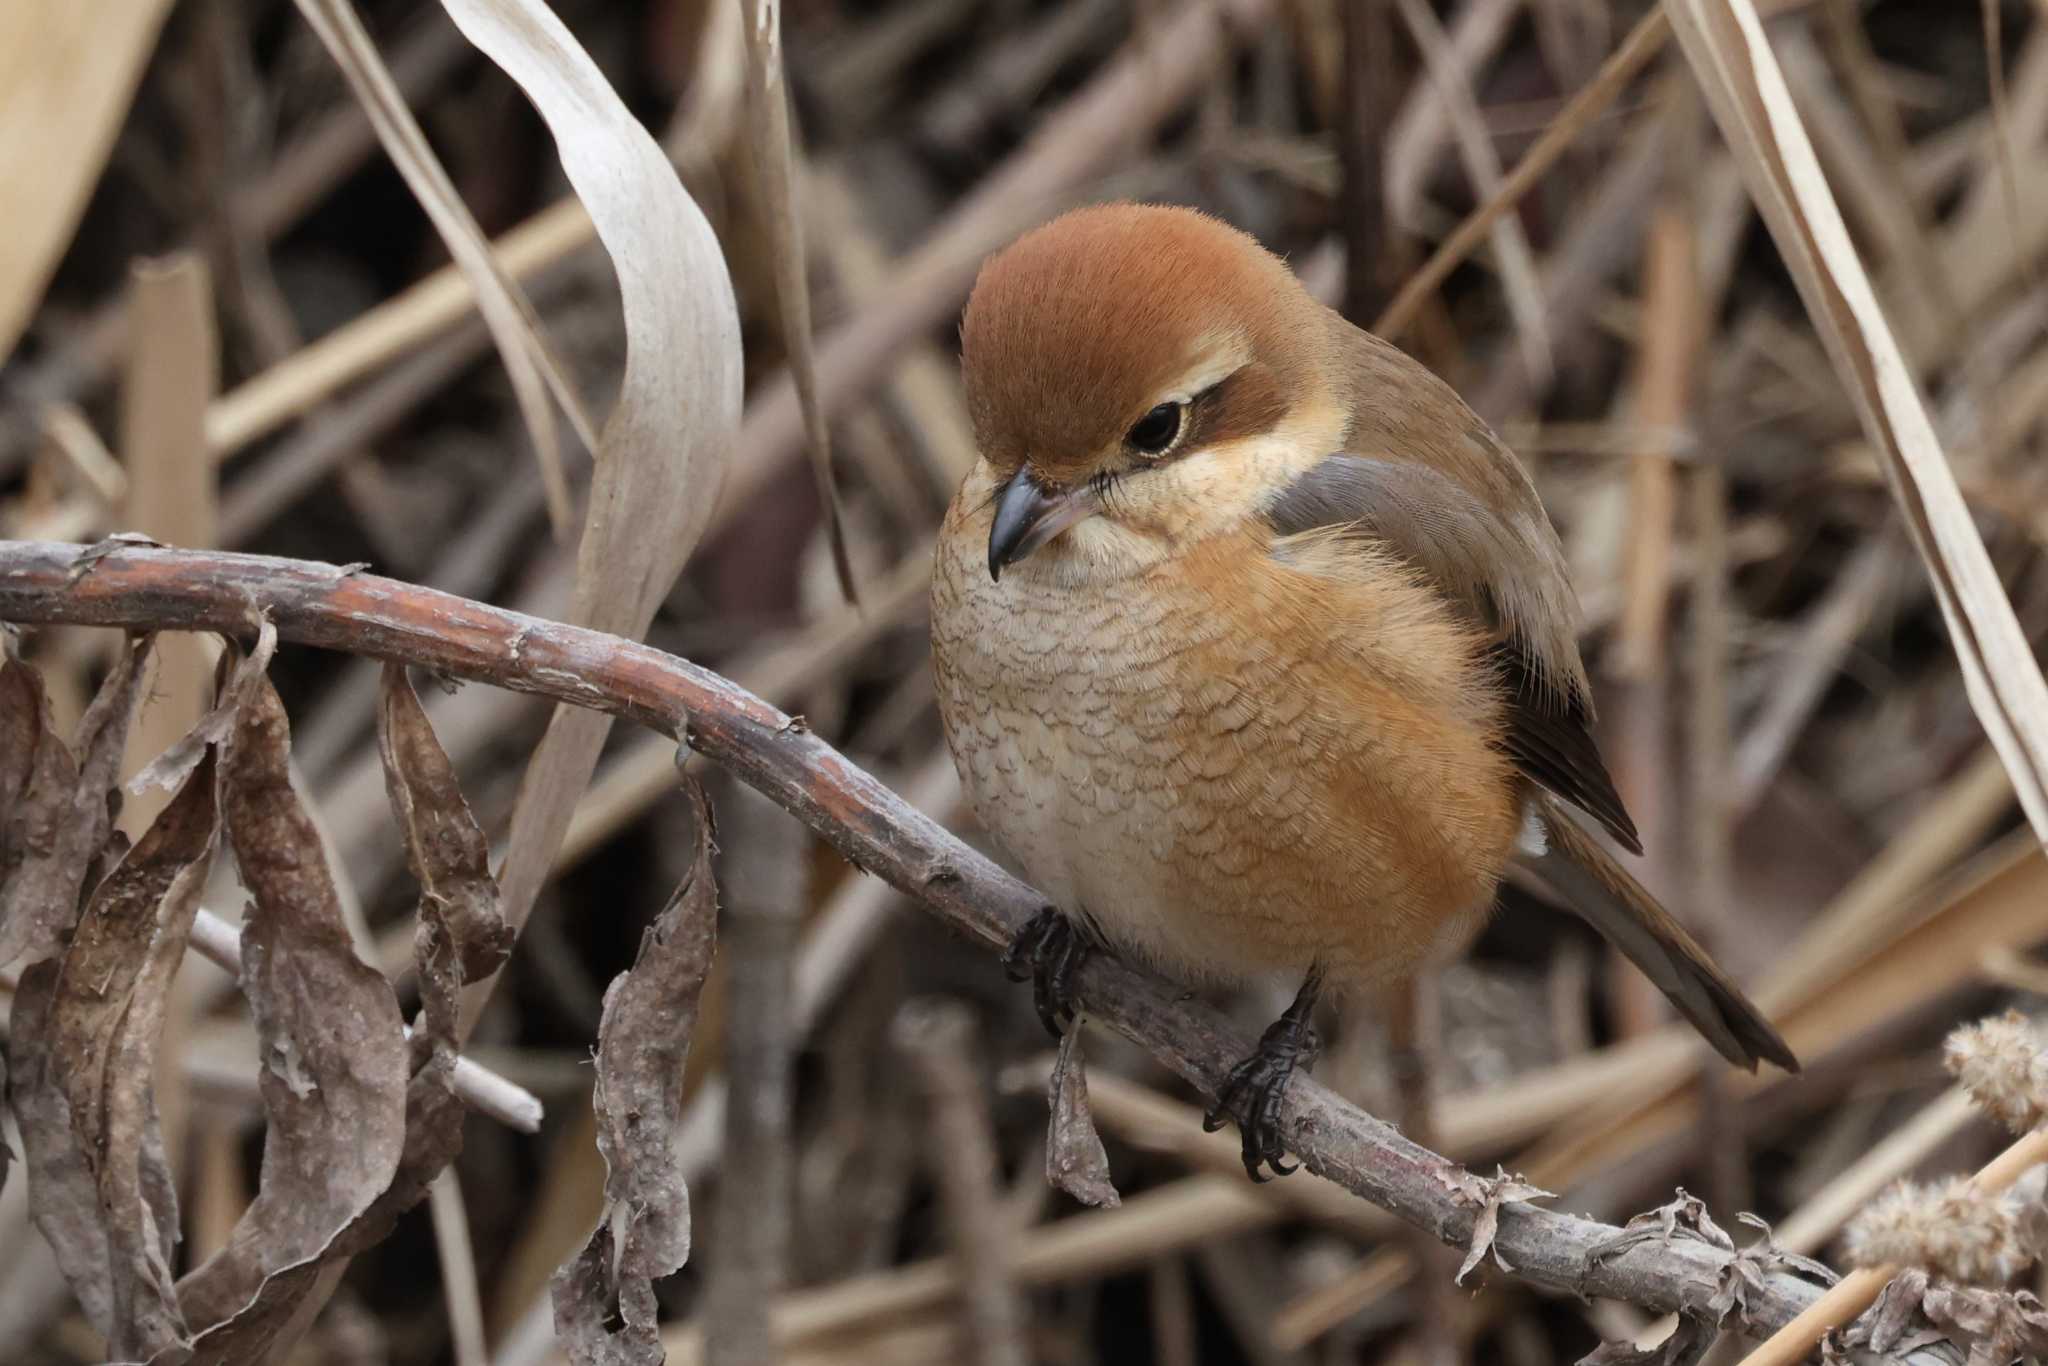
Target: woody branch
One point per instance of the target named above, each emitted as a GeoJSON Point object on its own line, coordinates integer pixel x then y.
{"type": "Point", "coordinates": [139, 587]}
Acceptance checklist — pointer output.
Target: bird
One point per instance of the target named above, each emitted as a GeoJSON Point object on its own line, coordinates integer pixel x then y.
{"type": "Point", "coordinates": [1257, 650]}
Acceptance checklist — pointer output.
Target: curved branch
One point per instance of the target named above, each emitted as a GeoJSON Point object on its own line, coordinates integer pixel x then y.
{"type": "Point", "coordinates": [140, 587]}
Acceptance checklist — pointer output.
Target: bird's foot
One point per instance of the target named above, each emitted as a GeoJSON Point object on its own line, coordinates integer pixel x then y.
{"type": "Point", "coordinates": [1046, 953]}
{"type": "Point", "coordinates": [1255, 1087]}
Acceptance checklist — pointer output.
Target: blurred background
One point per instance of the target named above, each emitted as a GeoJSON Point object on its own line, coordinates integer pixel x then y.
{"type": "Point", "coordinates": [1779, 701]}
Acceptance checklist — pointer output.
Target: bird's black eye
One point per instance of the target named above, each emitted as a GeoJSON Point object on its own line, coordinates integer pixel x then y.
{"type": "Point", "coordinates": [1155, 431]}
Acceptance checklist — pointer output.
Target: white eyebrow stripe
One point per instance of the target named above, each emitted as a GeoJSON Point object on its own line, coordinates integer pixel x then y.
{"type": "Point", "coordinates": [1206, 375]}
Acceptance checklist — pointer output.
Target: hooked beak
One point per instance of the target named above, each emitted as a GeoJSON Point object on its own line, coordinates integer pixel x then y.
{"type": "Point", "coordinates": [1028, 514]}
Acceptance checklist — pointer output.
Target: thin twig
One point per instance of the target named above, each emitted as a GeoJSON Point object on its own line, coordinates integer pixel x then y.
{"type": "Point", "coordinates": [458, 1268]}
{"type": "Point", "coordinates": [481, 1089]}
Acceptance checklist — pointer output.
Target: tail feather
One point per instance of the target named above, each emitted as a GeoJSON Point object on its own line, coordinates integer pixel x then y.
{"type": "Point", "coordinates": [1601, 891]}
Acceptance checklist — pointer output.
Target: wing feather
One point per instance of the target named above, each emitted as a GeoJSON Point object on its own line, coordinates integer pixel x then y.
{"type": "Point", "coordinates": [1458, 544]}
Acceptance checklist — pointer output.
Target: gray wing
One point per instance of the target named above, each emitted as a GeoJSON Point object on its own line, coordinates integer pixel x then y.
{"type": "Point", "coordinates": [1459, 544]}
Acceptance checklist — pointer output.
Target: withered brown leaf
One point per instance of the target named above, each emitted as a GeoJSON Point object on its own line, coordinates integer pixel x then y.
{"type": "Point", "coordinates": [460, 930]}
{"type": "Point", "coordinates": [600, 1321]}
{"type": "Point", "coordinates": [63, 1198]}
{"type": "Point", "coordinates": [1683, 1216]}
{"type": "Point", "coordinates": [444, 846]}
{"type": "Point", "coordinates": [168, 768]}
{"type": "Point", "coordinates": [38, 780]}
{"type": "Point", "coordinates": [1489, 1194]}
{"type": "Point", "coordinates": [433, 1139]}
{"type": "Point", "coordinates": [1074, 1157]}
{"type": "Point", "coordinates": [462, 936]}
{"type": "Point", "coordinates": [1998, 1325]}
{"type": "Point", "coordinates": [59, 807]}
{"type": "Point", "coordinates": [87, 1028]}
{"type": "Point", "coordinates": [24, 720]}
{"type": "Point", "coordinates": [643, 1040]}
{"type": "Point", "coordinates": [333, 1069]}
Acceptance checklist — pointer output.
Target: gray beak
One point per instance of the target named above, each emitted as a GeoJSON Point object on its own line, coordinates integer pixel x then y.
{"type": "Point", "coordinates": [1028, 514]}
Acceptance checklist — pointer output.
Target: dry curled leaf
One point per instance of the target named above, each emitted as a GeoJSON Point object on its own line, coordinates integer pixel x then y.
{"type": "Point", "coordinates": [1684, 1215]}
{"type": "Point", "coordinates": [1771, 1257]}
{"type": "Point", "coordinates": [604, 1303]}
{"type": "Point", "coordinates": [333, 1063]}
{"type": "Point", "coordinates": [58, 811]}
{"type": "Point", "coordinates": [1998, 1325]}
{"type": "Point", "coordinates": [24, 719]}
{"type": "Point", "coordinates": [1742, 1276]}
{"type": "Point", "coordinates": [448, 937]}
{"type": "Point", "coordinates": [212, 729]}
{"type": "Point", "coordinates": [663, 452]}
{"type": "Point", "coordinates": [87, 1028]}
{"type": "Point", "coordinates": [62, 1196]}
{"type": "Point", "coordinates": [1075, 1161]}
{"type": "Point", "coordinates": [444, 847]}
{"type": "Point", "coordinates": [1896, 1310]}
{"type": "Point", "coordinates": [1489, 1194]}
{"type": "Point", "coordinates": [433, 1139]}
{"type": "Point", "coordinates": [88, 557]}
{"type": "Point", "coordinates": [1748, 1271]}
{"type": "Point", "coordinates": [601, 1321]}
{"type": "Point", "coordinates": [38, 786]}
{"type": "Point", "coordinates": [460, 938]}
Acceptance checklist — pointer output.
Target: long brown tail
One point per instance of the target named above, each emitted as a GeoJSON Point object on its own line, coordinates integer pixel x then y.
{"type": "Point", "coordinates": [1602, 892]}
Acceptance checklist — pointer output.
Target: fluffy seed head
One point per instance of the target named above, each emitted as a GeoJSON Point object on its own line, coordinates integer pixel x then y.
{"type": "Point", "coordinates": [1946, 1228]}
{"type": "Point", "coordinates": [2000, 1062]}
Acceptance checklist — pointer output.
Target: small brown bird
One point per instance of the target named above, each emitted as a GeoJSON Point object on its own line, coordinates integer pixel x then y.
{"type": "Point", "coordinates": [1255, 646]}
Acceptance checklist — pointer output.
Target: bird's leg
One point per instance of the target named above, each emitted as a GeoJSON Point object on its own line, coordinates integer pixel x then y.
{"type": "Point", "coordinates": [1046, 953]}
{"type": "Point", "coordinates": [1255, 1086]}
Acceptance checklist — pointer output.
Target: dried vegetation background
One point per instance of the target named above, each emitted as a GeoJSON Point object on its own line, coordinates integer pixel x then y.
{"type": "Point", "coordinates": [246, 304]}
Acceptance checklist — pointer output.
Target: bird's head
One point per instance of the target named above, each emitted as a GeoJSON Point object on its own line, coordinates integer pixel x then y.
{"type": "Point", "coordinates": [1138, 376]}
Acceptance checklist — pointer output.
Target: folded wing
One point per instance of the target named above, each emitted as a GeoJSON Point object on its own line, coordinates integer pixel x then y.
{"type": "Point", "coordinates": [1464, 549]}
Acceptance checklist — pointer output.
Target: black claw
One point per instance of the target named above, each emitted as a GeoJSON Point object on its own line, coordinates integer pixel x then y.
{"type": "Point", "coordinates": [1019, 958]}
{"type": "Point", "coordinates": [1256, 1086]}
{"type": "Point", "coordinates": [1046, 953]}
